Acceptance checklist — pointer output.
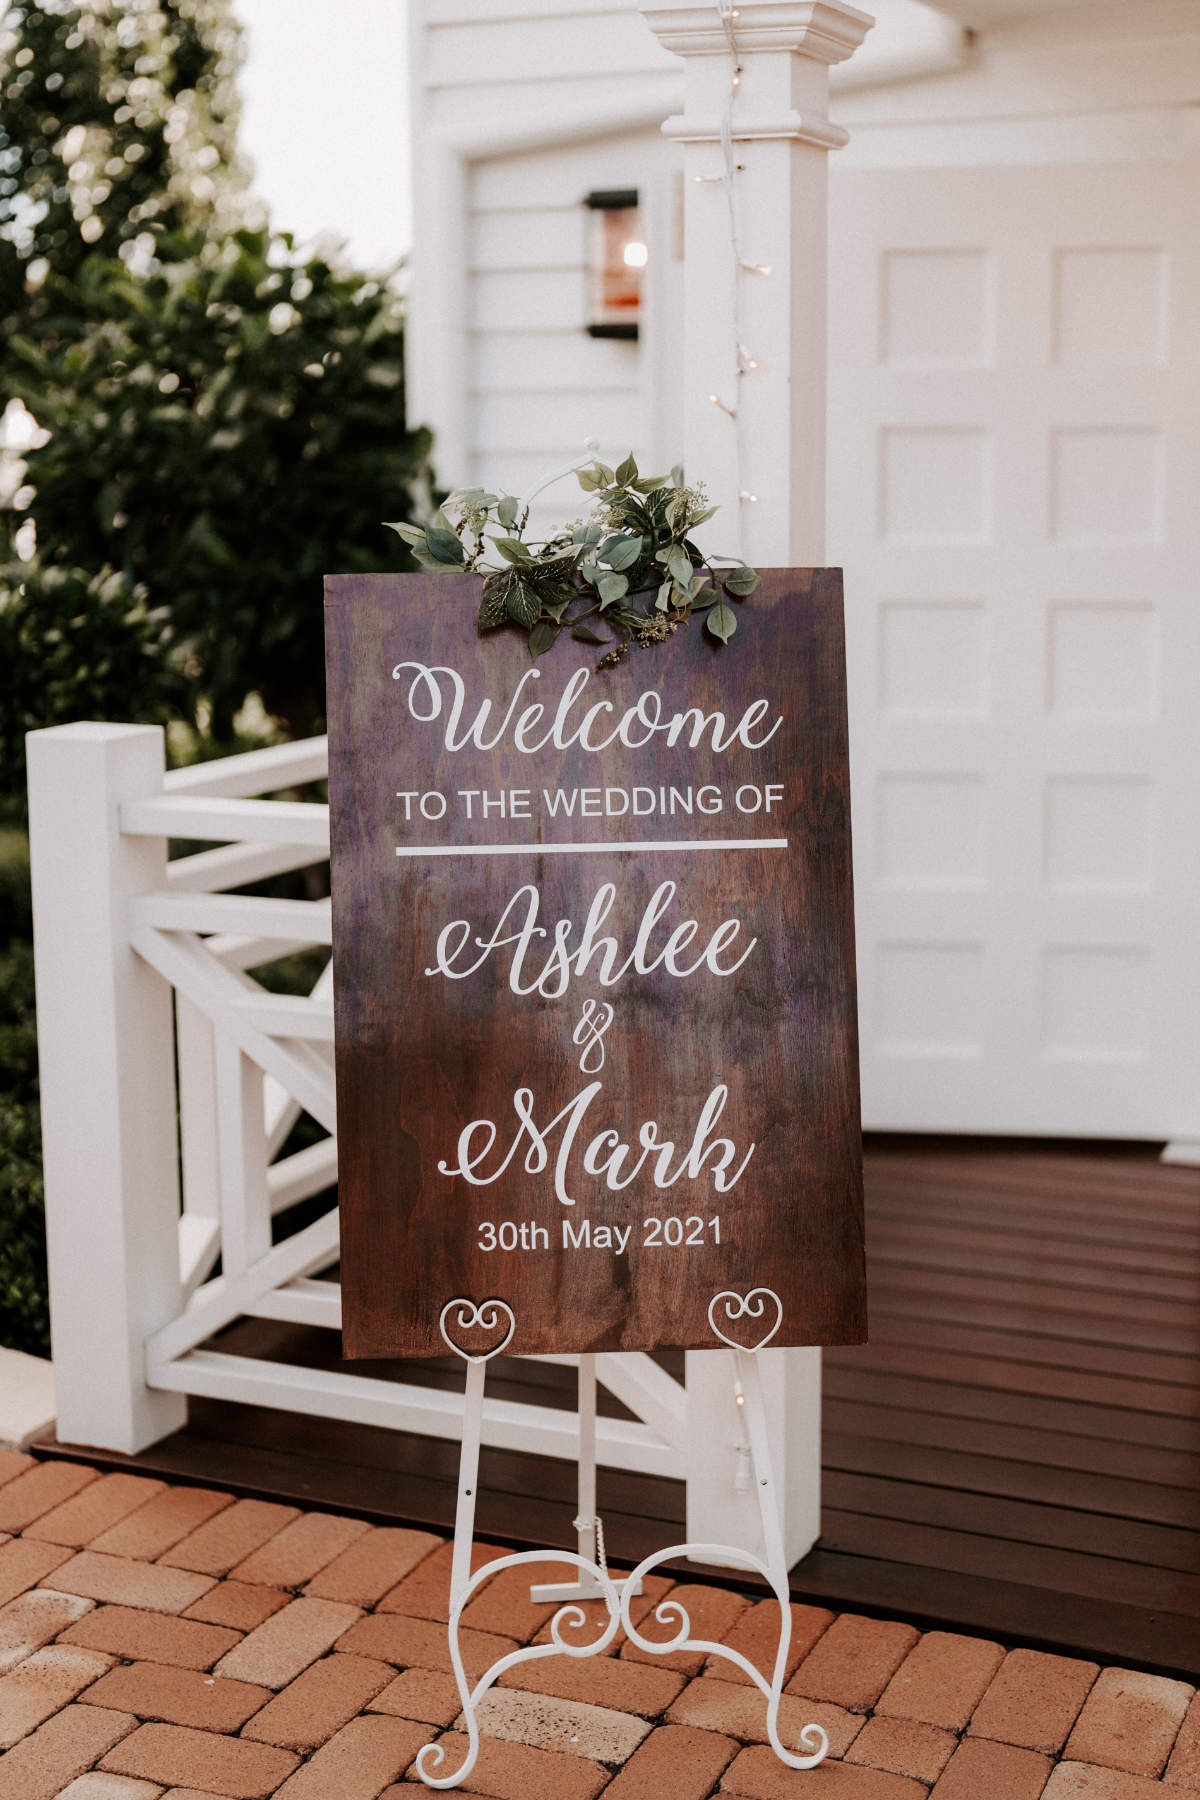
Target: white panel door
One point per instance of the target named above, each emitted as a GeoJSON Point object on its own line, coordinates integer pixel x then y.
{"type": "Point", "coordinates": [1015, 496]}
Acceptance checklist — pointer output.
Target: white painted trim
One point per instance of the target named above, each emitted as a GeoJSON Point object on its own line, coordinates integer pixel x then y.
{"type": "Point", "coordinates": [254, 772]}
{"type": "Point", "coordinates": [684, 129]}
{"type": "Point", "coordinates": [825, 31]}
{"type": "Point", "coordinates": [430, 1412]}
{"type": "Point", "coordinates": [1185, 1152]}
{"type": "Point", "coordinates": [249, 821]}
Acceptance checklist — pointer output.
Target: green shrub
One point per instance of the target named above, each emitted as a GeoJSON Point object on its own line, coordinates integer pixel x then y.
{"type": "Point", "coordinates": [24, 1306]}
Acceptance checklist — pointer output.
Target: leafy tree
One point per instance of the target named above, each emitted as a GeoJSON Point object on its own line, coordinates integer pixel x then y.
{"type": "Point", "coordinates": [224, 429]}
{"type": "Point", "coordinates": [117, 118]}
{"type": "Point", "coordinates": [225, 416]}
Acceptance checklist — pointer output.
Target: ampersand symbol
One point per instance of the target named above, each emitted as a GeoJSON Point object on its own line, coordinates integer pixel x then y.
{"type": "Point", "coordinates": [589, 1034]}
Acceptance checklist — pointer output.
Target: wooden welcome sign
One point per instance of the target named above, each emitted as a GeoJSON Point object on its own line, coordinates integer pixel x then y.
{"type": "Point", "coordinates": [594, 975]}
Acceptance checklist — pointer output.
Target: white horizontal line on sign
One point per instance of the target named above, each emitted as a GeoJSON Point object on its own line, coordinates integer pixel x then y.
{"type": "Point", "coordinates": [592, 849]}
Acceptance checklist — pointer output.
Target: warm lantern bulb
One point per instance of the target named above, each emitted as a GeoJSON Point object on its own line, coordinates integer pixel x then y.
{"type": "Point", "coordinates": [636, 255]}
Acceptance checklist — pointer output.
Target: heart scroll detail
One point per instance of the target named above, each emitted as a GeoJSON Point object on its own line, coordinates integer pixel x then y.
{"type": "Point", "coordinates": [746, 1306]}
{"type": "Point", "coordinates": [487, 1316]}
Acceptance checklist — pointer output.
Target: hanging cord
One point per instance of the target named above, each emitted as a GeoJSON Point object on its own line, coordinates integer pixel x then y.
{"type": "Point", "coordinates": [744, 361]}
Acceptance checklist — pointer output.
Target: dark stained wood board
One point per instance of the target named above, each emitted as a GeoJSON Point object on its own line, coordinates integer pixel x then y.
{"type": "Point", "coordinates": [746, 1064]}
{"type": "Point", "coordinates": [912, 1524]}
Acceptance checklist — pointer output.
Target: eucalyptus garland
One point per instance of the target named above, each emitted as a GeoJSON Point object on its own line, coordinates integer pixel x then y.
{"type": "Point", "coordinates": [626, 574]}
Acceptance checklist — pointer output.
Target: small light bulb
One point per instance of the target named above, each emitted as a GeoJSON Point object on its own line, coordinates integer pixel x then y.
{"type": "Point", "coordinates": [758, 268]}
{"type": "Point", "coordinates": [741, 1399]}
{"type": "Point", "coordinates": [635, 255]}
{"type": "Point", "coordinates": [751, 499]}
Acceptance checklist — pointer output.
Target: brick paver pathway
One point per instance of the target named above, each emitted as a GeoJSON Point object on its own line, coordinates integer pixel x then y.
{"type": "Point", "coordinates": [160, 1641]}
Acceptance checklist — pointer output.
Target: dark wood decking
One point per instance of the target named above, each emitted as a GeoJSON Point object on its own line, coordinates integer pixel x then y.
{"type": "Point", "coordinates": [1016, 1452]}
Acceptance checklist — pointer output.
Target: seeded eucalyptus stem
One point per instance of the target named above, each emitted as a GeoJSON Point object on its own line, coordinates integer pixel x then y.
{"type": "Point", "coordinates": [630, 564]}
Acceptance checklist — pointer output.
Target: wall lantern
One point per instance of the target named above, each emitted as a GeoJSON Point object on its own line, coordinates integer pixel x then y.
{"type": "Point", "coordinates": [616, 256]}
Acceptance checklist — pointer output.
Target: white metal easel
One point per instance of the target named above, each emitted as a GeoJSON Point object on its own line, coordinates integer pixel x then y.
{"type": "Point", "coordinates": [594, 1580]}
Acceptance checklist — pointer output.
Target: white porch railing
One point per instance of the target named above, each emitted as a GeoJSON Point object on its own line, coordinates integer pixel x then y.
{"type": "Point", "coordinates": [148, 1012]}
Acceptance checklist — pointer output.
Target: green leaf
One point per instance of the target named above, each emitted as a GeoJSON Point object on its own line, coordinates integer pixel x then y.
{"type": "Point", "coordinates": [625, 552]}
{"type": "Point", "coordinates": [612, 587]}
{"type": "Point", "coordinates": [626, 471]}
{"type": "Point", "coordinates": [542, 638]}
{"type": "Point", "coordinates": [586, 635]}
{"type": "Point", "coordinates": [493, 608]}
{"type": "Point", "coordinates": [663, 598]}
{"type": "Point", "coordinates": [513, 550]}
{"type": "Point", "coordinates": [506, 511]}
{"type": "Point", "coordinates": [680, 565]}
{"type": "Point", "coordinates": [742, 581]}
{"type": "Point", "coordinates": [590, 479]}
{"type": "Point", "coordinates": [444, 546]}
{"type": "Point", "coordinates": [648, 484]}
{"type": "Point", "coordinates": [606, 474]}
{"type": "Point", "coordinates": [523, 602]}
{"type": "Point", "coordinates": [412, 534]}
{"type": "Point", "coordinates": [721, 622]}
{"type": "Point", "coordinates": [590, 572]}
{"type": "Point", "coordinates": [706, 512]}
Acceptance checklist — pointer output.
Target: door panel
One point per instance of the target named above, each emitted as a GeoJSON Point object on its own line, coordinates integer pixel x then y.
{"type": "Point", "coordinates": [1015, 497]}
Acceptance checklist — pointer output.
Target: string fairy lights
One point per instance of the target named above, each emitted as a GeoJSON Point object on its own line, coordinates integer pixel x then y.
{"type": "Point", "coordinates": [745, 361]}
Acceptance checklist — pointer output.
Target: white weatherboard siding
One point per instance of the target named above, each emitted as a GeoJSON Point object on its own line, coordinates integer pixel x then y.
{"type": "Point", "coordinates": [1014, 459]}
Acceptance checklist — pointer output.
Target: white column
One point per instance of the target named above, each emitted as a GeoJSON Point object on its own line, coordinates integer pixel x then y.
{"type": "Point", "coordinates": [107, 1057]}
{"type": "Point", "coordinates": [775, 123]}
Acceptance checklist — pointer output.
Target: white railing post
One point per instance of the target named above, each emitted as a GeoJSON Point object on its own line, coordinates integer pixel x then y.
{"type": "Point", "coordinates": [754, 429]}
{"type": "Point", "coordinates": [107, 1057]}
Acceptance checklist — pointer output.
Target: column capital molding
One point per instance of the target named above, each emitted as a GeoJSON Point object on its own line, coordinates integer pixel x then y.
{"type": "Point", "coordinates": [825, 31]}
{"type": "Point", "coordinates": [799, 128]}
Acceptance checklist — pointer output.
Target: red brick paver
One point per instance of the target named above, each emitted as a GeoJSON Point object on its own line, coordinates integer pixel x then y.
{"type": "Point", "coordinates": [300, 1551]}
{"type": "Point", "coordinates": [162, 1523]}
{"type": "Point", "coordinates": [737, 1710]}
{"type": "Point", "coordinates": [23, 1564]}
{"type": "Point", "coordinates": [676, 1762]}
{"type": "Point", "coordinates": [1084, 1781]}
{"type": "Point", "coordinates": [233, 1603]}
{"type": "Point", "coordinates": [60, 1750]}
{"type": "Point", "coordinates": [127, 1582]}
{"type": "Point", "coordinates": [320, 1701]}
{"type": "Point", "coordinates": [1034, 1700]}
{"type": "Point", "coordinates": [97, 1507]}
{"type": "Point", "coordinates": [40, 1488]}
{"type": "Point", "coordinates": [362, 1574]}
{"type": "Point", "coordinates": [758, 1775]}
{"type": "Point", "coordinates": [853, 1661]}
{"type": "Point", "coordinates": [151, 1637]}
{"type": "Point", "coordinates": [516, 1772]}
{"type": "Point", "coordinates": [979, 1770]}
{"type": "Point", "coordinates": [1184, 1766]}
{"type": "Point", "coordinates": [42, 1685]}
{"type": "Point", "coordinates": [1129, 1721]}
{"type": "Point", "coordinates": [178, 1696]}
{"type": "Point", "coordinates": [161, 1643]}
{"type": "Point", "coordinates": [227, 1766]}
{"type": "Point", "coordinates": [755, 1633]}
{"type": "Point", "coordinates": [942, 1680]}
{"type": "Point", "coordinates": [228, 1537]}
{"type": "Point", "coordinates": [358, 1761]}
{"type": "Point", "coordinates": [275, 1653]}
{"type": "Point", "coordinates": [904, 1747]}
